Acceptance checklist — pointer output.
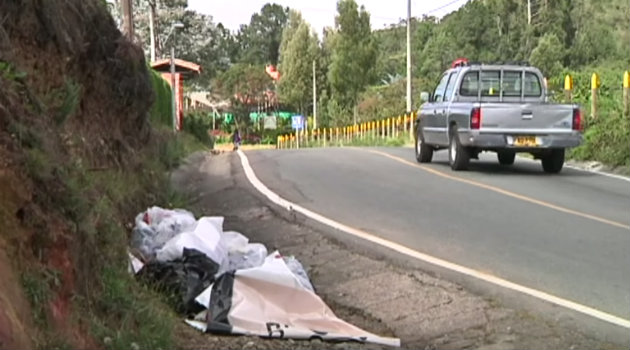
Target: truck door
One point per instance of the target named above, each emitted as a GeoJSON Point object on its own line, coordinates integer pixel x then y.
{"type": "Point", "coordinates": [442, 116]}
{"type": "Point", "coordinates": [431, 126]}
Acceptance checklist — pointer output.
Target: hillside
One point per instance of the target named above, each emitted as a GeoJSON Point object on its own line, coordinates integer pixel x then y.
{"type": "Point", "coordinates": [78, 158]}
{"type": "Point", "coordinates": [588, 32]}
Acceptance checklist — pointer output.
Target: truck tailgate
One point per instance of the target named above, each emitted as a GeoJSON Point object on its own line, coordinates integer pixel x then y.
{"type": "Point", "coordinates": [526, 117]}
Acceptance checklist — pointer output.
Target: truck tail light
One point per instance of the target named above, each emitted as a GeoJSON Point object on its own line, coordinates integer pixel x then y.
{"type": "Point", "coordinates": [577, 120]}
{"type": "Point", "coordinates": [475, 118]}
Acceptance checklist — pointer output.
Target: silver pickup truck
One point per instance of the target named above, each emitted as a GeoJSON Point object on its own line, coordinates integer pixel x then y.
{"type": "Point", "coordinates": [499, 108]}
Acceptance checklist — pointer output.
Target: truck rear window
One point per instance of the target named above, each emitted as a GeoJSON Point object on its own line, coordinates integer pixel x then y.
{"type": "Point", "coordinates": [490, 84]}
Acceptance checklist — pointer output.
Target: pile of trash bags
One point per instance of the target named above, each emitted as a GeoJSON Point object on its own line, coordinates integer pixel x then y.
{"type": "Point", "coordinates": [225, 284]}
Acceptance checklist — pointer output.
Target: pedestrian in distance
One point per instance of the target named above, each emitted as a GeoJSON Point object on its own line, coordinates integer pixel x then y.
{"type": "Point", "coordinates": [236, 139]}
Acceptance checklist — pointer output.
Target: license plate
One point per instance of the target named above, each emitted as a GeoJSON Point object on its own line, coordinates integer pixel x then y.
{"type": "Point", "coordinates": [525, 141]}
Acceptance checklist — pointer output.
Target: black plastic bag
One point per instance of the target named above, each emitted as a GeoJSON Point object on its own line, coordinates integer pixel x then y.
{"type": "Point", "coordinates": [182, 280]}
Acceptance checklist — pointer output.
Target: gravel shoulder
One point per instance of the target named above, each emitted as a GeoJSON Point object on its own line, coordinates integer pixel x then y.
{"type": "Point", "coordinates": [370, 291]}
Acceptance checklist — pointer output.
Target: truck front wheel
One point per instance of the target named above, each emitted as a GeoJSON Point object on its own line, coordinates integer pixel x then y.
{"type": "Point", "coordinates": [424, 152]}
{"type": "Point", "coordinates": [553, 161]}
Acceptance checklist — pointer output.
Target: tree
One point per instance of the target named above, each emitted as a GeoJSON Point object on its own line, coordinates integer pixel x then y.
{"type": "Point", "coordinates": [548, 55]}
{"type": "Point", "coordinates": [354, 53]}
{"type": "Point", "coordinates": [299, 50]}
{"type": "Point", "coordinates": [260, 40]}
{"type": "Point", "coordinates": [246, 85]}
{"type": "Point", "coordinates": [200, 41]}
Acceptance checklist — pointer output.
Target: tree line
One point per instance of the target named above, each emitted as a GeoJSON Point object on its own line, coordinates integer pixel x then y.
{"type": "Point", "coordinates": [360, 73]}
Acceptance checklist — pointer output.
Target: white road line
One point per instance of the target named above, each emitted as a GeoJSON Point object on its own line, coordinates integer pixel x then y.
{"type": "Point", "coordinates": [275, 198]}
{"type": "Point", "coordinates": [573, 167]}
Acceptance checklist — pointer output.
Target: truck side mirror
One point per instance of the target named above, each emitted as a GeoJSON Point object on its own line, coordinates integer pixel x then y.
{"type": "Point", "coordinates": [424, 96]}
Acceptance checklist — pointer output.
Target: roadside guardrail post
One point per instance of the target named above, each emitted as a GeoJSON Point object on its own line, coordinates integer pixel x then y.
{"type": "Point", "coordinates": [595, 84]}
{"type": "Point", "coordinates": [568, 88]}
{"type": "Point", "coordinates": [626, 93]}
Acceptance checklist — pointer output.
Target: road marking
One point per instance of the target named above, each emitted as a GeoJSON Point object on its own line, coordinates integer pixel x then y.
{"type": "Point", "coordinates": [601, 173]}
{"type": "Point", "coordinates": [503, 192]}
{"type": "Point", "coordinates": [573, 167]}
{"type": "Point", "coordinates": [275, 198]}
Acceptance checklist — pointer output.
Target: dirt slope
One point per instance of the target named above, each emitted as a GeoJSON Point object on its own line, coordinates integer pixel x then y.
{"type": "Point", "coordinates": [74, 98]}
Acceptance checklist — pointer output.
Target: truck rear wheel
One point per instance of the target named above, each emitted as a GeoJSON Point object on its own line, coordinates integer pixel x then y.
{"type": "Point", "coordinates": [506, 157]}
{"type": "Point", "coordinates": [458, 155]}
{"type": "Point", "coordinates": [424, 152]}
{"type": "Point", "coordinates": [552, 163]}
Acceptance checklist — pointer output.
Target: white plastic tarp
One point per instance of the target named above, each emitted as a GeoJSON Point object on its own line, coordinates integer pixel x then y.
{"type": "Point", "coordinates": [270, 301]}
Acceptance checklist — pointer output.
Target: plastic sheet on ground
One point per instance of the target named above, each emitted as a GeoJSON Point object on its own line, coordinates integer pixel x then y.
{"type": "Point", "coordinates": [270, 301]}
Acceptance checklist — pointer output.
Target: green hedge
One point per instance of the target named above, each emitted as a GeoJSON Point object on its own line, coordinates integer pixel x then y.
{"type": "Point", "coordinates": [198, 124]}
{"type": "Point", "coordinates": [161, 110]}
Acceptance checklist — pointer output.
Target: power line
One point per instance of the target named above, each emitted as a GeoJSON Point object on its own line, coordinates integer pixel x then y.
{"type": "Point", "coordinates": [442, 7]}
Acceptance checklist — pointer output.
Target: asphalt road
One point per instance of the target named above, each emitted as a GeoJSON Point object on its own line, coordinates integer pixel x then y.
{"type": "Point", "coordinates": [566, 234]}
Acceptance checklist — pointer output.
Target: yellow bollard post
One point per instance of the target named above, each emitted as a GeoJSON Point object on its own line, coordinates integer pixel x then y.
{"type": "Point", "coordinates": [412, 118]}
{"type": "Point", "coordinates": [595, 84]}
{"type": "Point", "coordinates": [568, 88]}
{"type": "Point", "coordinates": [391, 126]}
{"type": "Point", "coordinates": [383, 122]}
{"type": "Point", "coordinates": [394, 131]}
{"type": "Point", "coordinates": [330, 135]}
{"type": "Point", "coordinates": [325, 138]}
{"type": "Point", "coordinates": [626, 93]}
{"type": "Point", "coordinates": [374, 130]}
{"type": "Point", "coordinates": [385, 128]}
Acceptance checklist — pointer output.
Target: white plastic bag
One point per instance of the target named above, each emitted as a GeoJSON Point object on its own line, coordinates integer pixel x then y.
{"type": "Point", "coordinates": [241, 253]}
{"type": "Point", "coordinates": [252, 255]}
{"type": "Point", "coordinates": [156, 226]}
{"type": "Point", "coordinates": [206, 238]}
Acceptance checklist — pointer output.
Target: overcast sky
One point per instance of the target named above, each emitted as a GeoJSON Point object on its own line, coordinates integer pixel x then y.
{"type": "Point", "coordinates": [321, 13]}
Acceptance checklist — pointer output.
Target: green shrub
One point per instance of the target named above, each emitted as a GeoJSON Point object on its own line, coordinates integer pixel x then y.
{"type": "Point", "coordinates": [161, 111]}
{"type": "Point", "coordinates": [198, 124]}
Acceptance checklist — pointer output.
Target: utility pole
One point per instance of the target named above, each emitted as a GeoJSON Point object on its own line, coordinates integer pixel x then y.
{"type": "Point", "coordinates": [409, 56]}
{"type": "Point", "coordinates": [173, 88]}
{"type": "Point", "coordinates": [152, 27]}
{"type": "Point", "coordinates": [314, 97]}
{"type": "Point", "coordinates": [529, 12]}
{"type": "Point", "coordinates": [127, 19]}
